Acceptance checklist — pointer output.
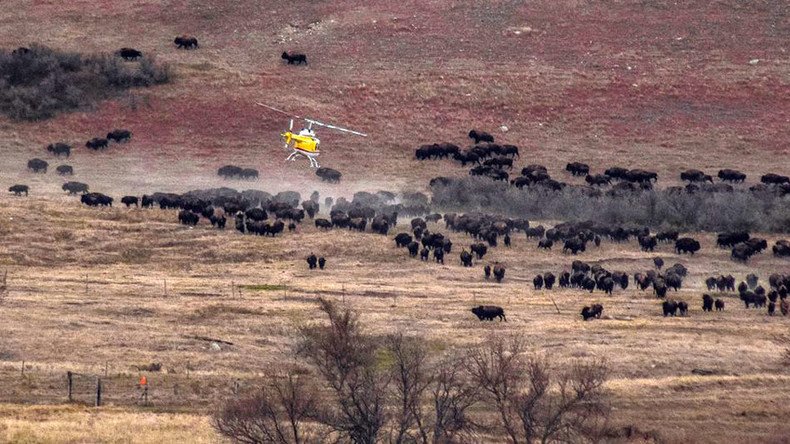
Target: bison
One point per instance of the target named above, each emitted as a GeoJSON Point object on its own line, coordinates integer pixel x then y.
{"type": "Point", "coordinates": [186, 42]}
{"type": "Point", "coordinates": [489, 312]}
{"type": "Point", "coordinates": [294, 58]}
{"type": "Point", "coordinates": [59, 149]}
{"type": "Point", "coordinates": [480, 136]}
{"type": "Point", "coordinates": [328, 175]}
{"type": "Point", "coordinates": [19, 189]}
{"type": "Point", "coordinates": [686, 245]}
{"type": "Point", "coordinates": [65, 170]}
{"type": "Point", "coordinates": [97, 143]}
{"type": "Point", "coordinates": [119, 135]}
{"type": "Point", "coordinates": [129, 53]}
{"type": "Point", "coordinates": [75, 187]}
{"type": "Point", "coordinates": [129, 201]}
{"type": "Point", "coordinates": [593, 311]}
{"type": "Point", "coordinates": [96, 199]}
{"type": "Point", "coordinates": [37, 165]}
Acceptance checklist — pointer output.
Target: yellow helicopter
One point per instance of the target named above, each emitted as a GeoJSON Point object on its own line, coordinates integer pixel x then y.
{"type": "Point", "coordinates": [305, 142]}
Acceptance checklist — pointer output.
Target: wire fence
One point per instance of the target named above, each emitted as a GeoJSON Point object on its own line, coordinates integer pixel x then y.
{"type": "Point", "coordinates": [32, 384]}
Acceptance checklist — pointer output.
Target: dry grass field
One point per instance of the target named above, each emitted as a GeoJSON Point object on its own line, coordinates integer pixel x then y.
{"type": "Point", "coordinates": [653, 84]}
{"type": "Point", "coordinates": [101, 292]}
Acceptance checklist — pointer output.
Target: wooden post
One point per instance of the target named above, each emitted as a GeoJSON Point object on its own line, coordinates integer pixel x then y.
{"type": "Point", "coordinates": [23, 368]}
{"type": "Point", "coordinates": [98, 392]}
{"type": "Point", "coordinates": [165, 287]}
{"type": "Point", "coordinates": [232, 289]}
{"type": "Point", "coordinates": [71, 384]}
{"type": "Point", "coordinates": [86, 284]}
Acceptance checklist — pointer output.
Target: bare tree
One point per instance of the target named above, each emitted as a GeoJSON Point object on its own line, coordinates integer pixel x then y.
{"type": "Point", "coordinates": [452, 396]}
{"type": "Point", "coordinates": [536, 402]}
{"type": "Point", "coordinates": [346, 359]}
{"type": "Point", "coordinates": [411, 379]}
{"type": "Point", "coordinates": [273, 414]}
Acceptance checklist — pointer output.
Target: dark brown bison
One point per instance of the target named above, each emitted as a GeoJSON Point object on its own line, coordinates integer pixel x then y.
{"type": "Point", "coordinates": [129, 201]}
{"type": "Point", "coordinates": [37, 165]}
{"type": "Point", "coordinates": [59, 149]}
{"type": "Point", "coordinates": [728, 175]}
{"type": "Point", "coordinates": [707, 302]}
{"type": "Point", "coordinates": [594, 311]}
{"type": "Point", "coordinates": [75, 187]}
{"type": "Point", "coordinates": [489, 312]}
{"type": "Point", "coordinates": [65, 170]}
{"type": "Point", "coordinates": [129, 53]}
{"type": "Point", "coordinates": [686, 245]}
{"type": "Point", "coordinates": [499, 272]}
{"type": "Point", "coordinates": [19, 189]}
{"type": "Point", "coordinates": [97, 143]}
{"type": "Point", "coordinates": [186, 42]}
{"type": "Point", "coordinates": [480, 136]}
{"type": "Point", "coordinates": [294, 58]}
{"type": "Point", "coordinates": [119, 135]}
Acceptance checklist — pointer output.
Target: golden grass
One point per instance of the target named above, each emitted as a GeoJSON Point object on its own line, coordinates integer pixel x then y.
{"type": "Point", "coordinates": [58, 423]}
{"type": "Point", "coordinates": [75, 304]}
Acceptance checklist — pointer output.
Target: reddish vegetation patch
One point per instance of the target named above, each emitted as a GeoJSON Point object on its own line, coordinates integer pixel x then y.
{"type": "Point", "coordinates": [572, 80]}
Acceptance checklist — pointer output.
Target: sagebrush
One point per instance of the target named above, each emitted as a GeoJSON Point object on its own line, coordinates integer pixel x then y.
{"type": "Point", "coordinates": [40, 83]}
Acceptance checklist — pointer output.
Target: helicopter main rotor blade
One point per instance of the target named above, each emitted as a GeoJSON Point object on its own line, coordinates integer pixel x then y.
{"type": "Point", "coordinates": [277, 110]}
{"type": "Point", "coordinates": [336, 127]}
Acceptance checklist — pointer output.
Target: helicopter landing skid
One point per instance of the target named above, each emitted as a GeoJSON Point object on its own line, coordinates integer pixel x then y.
{"type": "Point", "coordinates": [313, 162]}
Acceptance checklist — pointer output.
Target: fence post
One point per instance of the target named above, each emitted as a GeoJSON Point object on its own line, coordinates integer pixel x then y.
{"type": "Point", "coordinates": [23, 368]}
{"type": "Point", "coordinates": [98, 392]}
{"type": "Point", "coordinates": [71, 384]}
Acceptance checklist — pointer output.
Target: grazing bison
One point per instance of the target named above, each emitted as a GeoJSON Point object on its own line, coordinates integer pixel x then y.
{"type": "Point", "coordinates": [96, 199]}
{"type": "Point", "coordinates": [19, 189]}
{"type": "Point", "coordinates": [218, 221]}
{"type": "Point", "coordinates": [771, 308]}
{"type": "Point", "coordinates": [683, 307]}
{"type": "Point", "coordinates": [129, 201]}
{"type": "Point", "coordinates": [119, 135]}
{"type": "Point", "coordinates": [413, 248]}
{"type": "Point", "coordinates": [729, 239]}
{"type": "Point", "coordinates": [312, 260]}
{"type": "Point", "coordinates": [707, 302]}
{"type": "Point", "coordinates": [593, 311]}
{"type": "Point", "coordinates": [480, 136]}
{"type": "Point", "coordinates": [75, 187]}
{"type": "Point", "coordinates": [65, 170]}
{"type": "Point", "coordinates": [321, 262]}
{"type": "Point", "coordinates": [686, 245]}
{"type": "Point", "coordinates": [658, 262]}
{"type": "Point", "coordinates": [598, 180]}
{"type": "Point", "coordinates": [59, 149]}
{"type": "Point", "coordinates": [424, 254]}
{"type": "Point", "coordinates": [294, 58]}
{"type": "Point", "coordinates": [97, 143]}
{"type": "Point", "coordinates": [719, 305]}
{"type": "Point", "coordinates": [129, 53]}
{"type": "Point", "coordinates": [186, 42]}
{"type": "Point", "coordinates": [667, 236]}
{"type": "Point", "coordinates": [784, 307]}
{"type": "Point", "coordinates": [489, 312]}
{"type": "Point", "coordinates": [781, 248]}
{"type": "Point", "coordinates": [37, 165]}
{"type": "Point", "coordinates": [545, 244]}
{"type": "Point", "coordinates": [229, 171]}
{"type": "Point", "coordinates": [328, 175]}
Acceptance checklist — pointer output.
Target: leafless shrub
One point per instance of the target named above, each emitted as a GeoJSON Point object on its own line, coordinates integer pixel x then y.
{"type": "Point", "coordinates": [346, 360]}
{"type": "Point", "coordinates": [43, 82]}
{"type": "Point", "coordinates": [277, 413]}
{"type": "Point", "coordinates": [535, 401]}
{"type": "Point", "coordinates": [721, 211]}
{"type": "Point", "coordinates": [365, 389]}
